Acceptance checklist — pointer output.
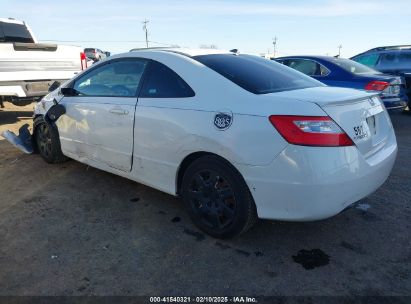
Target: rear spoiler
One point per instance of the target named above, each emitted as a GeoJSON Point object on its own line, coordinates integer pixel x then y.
{"type": "Point", "coordinates": [45, 47]}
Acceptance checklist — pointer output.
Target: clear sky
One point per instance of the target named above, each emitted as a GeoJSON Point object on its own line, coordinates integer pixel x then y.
{"type": "Point", "coordinates": [301, 27]}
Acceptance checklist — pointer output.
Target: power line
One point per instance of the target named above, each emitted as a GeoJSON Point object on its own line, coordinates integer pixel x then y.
{"type": "Point", "coordinates": [108, 41]}
{"type": "Point", "coordinates": [94, 41]}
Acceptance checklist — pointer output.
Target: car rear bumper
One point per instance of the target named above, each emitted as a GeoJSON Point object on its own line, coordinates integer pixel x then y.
{"type": "Point", "coordinates": [23, 89]}
{"type": "Point", "coordinates": [310, 183]}
{"type": "Point", "coordinates": [395, 103]}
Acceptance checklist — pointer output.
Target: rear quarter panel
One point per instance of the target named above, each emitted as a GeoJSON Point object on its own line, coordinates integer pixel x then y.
{"type": "Point", "coordinates": [163, 137]}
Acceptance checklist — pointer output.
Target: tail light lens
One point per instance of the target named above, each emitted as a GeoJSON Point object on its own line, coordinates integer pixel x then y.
{"type": "Point", "coordinates": [83, 60]}
{"type": "Point", "coordinates": [377, 85]}
{"type": "Point", "coordinates": [310, 131]}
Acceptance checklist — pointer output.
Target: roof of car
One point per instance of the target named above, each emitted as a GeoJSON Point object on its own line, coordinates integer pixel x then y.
{"type": "Point", "coordinates": [327, 58]}
{"type": "Point", "coordinates": [183, 51]}
{"type": "Point", "coordinates": [390, 48]}
{"type": "Point", "coordinates": [387, 49]}
{"type": "Point", "coordinates": [308, 56]}
{"type": "Point", "coordinates": [11, 20]}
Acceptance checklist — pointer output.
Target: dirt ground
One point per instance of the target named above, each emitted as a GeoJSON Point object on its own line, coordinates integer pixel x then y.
{"type": "Point", "coordinates": [70, 229]}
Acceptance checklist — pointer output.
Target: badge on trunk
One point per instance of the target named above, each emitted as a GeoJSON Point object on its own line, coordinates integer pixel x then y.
{"type": "Point", "coordinates": [223, 121]}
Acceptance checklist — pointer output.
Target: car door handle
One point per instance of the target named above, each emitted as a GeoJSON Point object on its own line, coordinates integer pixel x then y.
{"type": "Point", "coordinates": [119, 111]}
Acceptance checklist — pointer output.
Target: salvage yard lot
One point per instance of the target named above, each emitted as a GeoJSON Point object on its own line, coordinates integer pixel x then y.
{"type": "Point", "coordinates": [70, 229]}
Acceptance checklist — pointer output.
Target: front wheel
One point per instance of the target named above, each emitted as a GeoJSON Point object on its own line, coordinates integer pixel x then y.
{"type": "Point", "coordinates": [48, 142]}
{"type": "Point", "coordinates": [217, 198]}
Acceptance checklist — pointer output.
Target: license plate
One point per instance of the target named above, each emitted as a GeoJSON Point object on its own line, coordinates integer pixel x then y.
{"type": "Point", "coordinates": [360, 132]}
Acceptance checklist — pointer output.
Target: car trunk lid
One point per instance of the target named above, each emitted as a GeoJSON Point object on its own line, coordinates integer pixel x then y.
{"type": "Point", "coordinates": [361, 115]}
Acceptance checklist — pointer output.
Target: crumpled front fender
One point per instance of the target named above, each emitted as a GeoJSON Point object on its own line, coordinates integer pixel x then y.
{"type": "Point", "coordinates": [23, 141]}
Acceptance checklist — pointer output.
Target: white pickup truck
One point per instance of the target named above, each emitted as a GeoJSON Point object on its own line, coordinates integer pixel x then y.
{"type": "Point", "coordinates": [28, 68]}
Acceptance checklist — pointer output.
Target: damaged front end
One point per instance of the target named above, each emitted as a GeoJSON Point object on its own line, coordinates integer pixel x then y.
{"type": "Point", "coordinates": [25, 141]}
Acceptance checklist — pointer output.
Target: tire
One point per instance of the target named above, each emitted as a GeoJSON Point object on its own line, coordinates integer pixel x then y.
{"type": "Point", "coordinates": [48, 142]}
{"type": "Point", "coordinates": [217, 198]}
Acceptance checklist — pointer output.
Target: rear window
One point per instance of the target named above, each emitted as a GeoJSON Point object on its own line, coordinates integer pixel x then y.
{"type": "Point", "coordinates": [12, 32]}
{"type": "Point", "coordinates": [88, 50]}
{"type": "Point", "coordinates": [257, 75]}
{"type": "Point", "coordinates": [353, 67]}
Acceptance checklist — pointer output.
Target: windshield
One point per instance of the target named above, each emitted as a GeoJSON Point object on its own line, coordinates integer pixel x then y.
{"type": "Point", "coordinates": [354, 67]}
{"type": "Point", "coordinates": [257, 75]}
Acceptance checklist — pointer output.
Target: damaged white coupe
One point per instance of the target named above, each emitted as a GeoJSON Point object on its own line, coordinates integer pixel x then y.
{"type": "Point", "coordinates": [238, 137]}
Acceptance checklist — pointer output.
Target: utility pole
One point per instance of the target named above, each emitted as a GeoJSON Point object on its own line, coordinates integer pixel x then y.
{"type": "Point", "coordinates": [146, 30]}
{"type": "Point", "coordinates": [339, 50]}
{"type": "Point", "coordinates": [274, 45]}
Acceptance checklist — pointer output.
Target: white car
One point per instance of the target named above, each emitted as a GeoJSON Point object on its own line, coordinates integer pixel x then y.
{"type": "Point", "coordinates": [236, 136]}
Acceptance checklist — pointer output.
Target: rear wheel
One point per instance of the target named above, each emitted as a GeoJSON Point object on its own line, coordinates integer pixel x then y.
{"type": "Point", "coordinates": [217, 198]}
{"type": "Point", "coordinates": [48, 142]}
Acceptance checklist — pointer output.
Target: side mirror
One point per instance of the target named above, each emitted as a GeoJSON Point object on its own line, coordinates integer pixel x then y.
{"type": "Point", "coordinates": [54, 86]}
{"type": "Point", "coordinates": [68, 92]}
{"type": "Point", "coordinates": [55, 112]}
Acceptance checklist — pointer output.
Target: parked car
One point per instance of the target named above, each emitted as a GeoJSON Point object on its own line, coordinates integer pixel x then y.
{"type": "Point", "coordinates": [340, 72]}
{"type": "Point", "coordinates": [395, 60]}
{"type": "Point", "coordinates": [28, 68]}
{"type": "Point", "coordinates": [95, 54]}
{"type": "Point", "coordinates": [236, 136]}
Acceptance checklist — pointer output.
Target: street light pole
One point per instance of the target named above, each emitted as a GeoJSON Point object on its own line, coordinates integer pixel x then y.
{"type": "Point", "coordinates": [274, 45]}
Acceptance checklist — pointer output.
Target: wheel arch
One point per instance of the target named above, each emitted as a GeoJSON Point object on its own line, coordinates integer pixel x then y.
{"type": "Point", "coordinates": [190, 158]}
{"type": "Point", "coordinates": [36, 122]}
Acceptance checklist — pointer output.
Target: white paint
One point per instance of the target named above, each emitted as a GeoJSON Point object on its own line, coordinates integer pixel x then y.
{"type": "Point", "coordinates": [287, 182]}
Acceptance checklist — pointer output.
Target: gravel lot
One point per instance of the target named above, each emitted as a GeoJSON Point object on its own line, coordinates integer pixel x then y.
{"type": "Point", "coordinates": [73, 230]}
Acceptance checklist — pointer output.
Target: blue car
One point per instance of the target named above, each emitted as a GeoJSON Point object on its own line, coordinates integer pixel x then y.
{"type": "Point", "coordinates": [340, 72]}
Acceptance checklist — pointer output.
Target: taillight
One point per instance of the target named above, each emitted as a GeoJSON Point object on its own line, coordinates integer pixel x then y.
{"type": "Point", "coordinates": [310, 130]}
{"type": "Point", "coordinates": [83, 60]}
{"type": "Point", "coordinates": [377, 85]}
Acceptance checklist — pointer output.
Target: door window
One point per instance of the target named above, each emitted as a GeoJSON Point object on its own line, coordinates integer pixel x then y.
{"type": "Point", "coordinates": [308, 67]}
{"type": "Point", "coordinates": [395, 60]}
{"type": "Point", "coordinates": [162, 82]}
{"type": "Point", "coordinates": [1, 32]}
{"type": "Point", "coordinates": [117, 79]}
{"type": "Point", "coordinates": [368, 60]}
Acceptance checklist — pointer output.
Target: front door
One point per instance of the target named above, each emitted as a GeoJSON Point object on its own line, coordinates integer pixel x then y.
{"type": "Point", "coordinates": [99, 120]}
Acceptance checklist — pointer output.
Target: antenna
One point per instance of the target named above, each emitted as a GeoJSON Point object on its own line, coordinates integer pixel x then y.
{"type": "Point", "coordinates": [146, 30]}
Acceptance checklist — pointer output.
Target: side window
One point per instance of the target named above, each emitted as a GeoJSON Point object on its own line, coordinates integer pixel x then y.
{"type": "Point", "coordinates": [14, 32]}
{"type": "Point", "coordinates": [395, 60]}
{"type": "Point", "coordinates": [117, 79]}
{"type": "Point", "coordinates": [308, 67]}
{"type": "Point", "coordinates": [368, 60]}
{"type": "Point", "coordinates": [162, 82]}
{"type": "Point", "coordinates": [1, 32]}
{"type": "Point", "coordinates": [323, 70]}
